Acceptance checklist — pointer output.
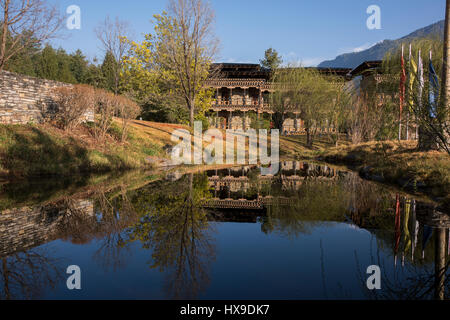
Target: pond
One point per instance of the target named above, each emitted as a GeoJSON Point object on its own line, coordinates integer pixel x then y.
{"type": "Point", "coordinates": [308, 232]}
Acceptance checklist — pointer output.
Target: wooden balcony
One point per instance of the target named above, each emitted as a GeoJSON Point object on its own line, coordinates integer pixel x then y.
{"type": "Point", "coordinates": [240, 105]}
{"type": "Point", "coordinates": [238, 83]}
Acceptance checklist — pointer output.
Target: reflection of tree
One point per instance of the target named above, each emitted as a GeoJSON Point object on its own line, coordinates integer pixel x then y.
{"type": "Point", "coordinates": [314, 202]}
{"type": "Point", "coordinates": [26, 275]}
{"type": "Point", "coordinates": [114, 215]}
{"type": "Point", "coordinates": [176, 229]}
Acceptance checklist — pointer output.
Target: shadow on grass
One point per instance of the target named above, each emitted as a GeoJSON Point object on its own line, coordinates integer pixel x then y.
{"type": "Point", "coordinates": [33, 152]}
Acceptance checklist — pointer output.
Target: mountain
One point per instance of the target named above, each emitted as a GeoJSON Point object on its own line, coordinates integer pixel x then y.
{"type": "Point", "coordinates": [378, 51]}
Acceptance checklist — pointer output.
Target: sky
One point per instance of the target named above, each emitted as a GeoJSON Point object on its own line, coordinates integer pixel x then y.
{"type": "Point", "coordinates": [305, 31]}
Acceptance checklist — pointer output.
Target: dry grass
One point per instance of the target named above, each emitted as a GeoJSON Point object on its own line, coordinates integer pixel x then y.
{"type": "Point", "coordinates": [295, 146]}
{"type": "Point", "coordinates": [398, 163]}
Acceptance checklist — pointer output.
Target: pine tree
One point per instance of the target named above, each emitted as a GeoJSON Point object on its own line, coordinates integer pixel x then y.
{"type": "Point", "coordinates": [78, 66]}
{"type": "Point", "coordinates": [47, 67]}
{"type": "Point", "coordinates": [109, 68]}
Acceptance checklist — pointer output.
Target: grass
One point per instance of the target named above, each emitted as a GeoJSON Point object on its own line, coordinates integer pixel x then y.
{"type": "Point", "coordinates": [295, 146]}
{"type": "Point", "coordinates": [397, 163]}
{"type": "Point", "coordinates": [42, 150]}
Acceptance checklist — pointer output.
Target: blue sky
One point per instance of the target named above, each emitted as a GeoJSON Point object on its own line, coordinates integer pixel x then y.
{"type": "Point", "coordinates": [308, 31]}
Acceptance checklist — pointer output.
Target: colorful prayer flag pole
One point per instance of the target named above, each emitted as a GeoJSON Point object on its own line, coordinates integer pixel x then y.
{"type": "Point", "coordinates": [402, 96]}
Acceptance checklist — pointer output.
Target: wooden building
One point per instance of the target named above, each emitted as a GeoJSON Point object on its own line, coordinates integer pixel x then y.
{"type": "Point", "coordinates": [242, 93]}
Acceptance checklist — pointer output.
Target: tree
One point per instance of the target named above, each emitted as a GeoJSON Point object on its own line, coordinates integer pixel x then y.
{"type": "Point", "coordinates": [445, 91]}
{"type": "Point", "coordinates": [271, 60]}
{"type": "Point", "coordinates": [47, 67]}
{"type": "Point", "coordinates": [78, 66]}
{"type": "Point", "coordinates": [185, 46]}
{"type": "Point", "coordinates": [305, 92]}
{"type": "Point", "coordinates": [168, 68]}
{"type": "Point", "coordinates": [112, 35]}
{"type": "Point", "coordinates": [24, 23]}
{"type": "Point", "coordinates": [109, 68]}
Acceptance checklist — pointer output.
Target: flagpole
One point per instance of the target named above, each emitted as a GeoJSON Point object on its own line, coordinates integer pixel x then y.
{"type": "Point", "coordinates": [401, 102]}
{"type": "Point", "coordinates": [409, 94]}
{"type": "Point", "coordinates": [420, 71]}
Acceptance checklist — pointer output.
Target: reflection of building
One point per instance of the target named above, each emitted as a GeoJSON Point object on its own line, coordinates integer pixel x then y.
{"type": "Point", "coordinates": [242, 93]}
{"type": "Point", "coordinates": [246, 189]}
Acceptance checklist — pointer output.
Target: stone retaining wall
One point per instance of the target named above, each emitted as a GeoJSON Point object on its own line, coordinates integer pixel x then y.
{"type": "Point", "coordinates": [23, 98]}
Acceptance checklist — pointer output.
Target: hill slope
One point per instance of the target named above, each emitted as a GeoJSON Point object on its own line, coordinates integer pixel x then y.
{"type": "Point", "coordinates": [378, 51]}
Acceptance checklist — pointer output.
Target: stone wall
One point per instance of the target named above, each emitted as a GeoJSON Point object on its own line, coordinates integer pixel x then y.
{"type": "Point", "coordinates": [23, 98]}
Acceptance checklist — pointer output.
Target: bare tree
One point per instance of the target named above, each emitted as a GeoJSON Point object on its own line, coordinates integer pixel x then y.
{"type": "Point", "coordinates": [112, 35]}
{"type": "Point", "coordinates": [25, 23]}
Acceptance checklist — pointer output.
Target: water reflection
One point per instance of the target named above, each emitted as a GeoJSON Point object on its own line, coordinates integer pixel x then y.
{"type": "Point", "coordinates": [171, 230]}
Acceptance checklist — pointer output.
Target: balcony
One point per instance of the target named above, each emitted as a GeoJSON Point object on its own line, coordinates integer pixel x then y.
{"type": "Point", "coordinates": [239, 104]}
{"type": "Point", "coordinates": [238, 83]}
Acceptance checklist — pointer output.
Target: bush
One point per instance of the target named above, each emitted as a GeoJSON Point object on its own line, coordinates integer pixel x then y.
{"type": "Point", "coordinates": [72, 105]}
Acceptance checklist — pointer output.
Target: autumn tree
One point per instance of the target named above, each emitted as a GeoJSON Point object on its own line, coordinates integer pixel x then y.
{"type": "Point", "coordinates": [24, 23]}
{"type": "Point", "coordinates": [175, 60]}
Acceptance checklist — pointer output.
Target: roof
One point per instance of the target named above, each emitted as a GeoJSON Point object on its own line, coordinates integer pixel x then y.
{"type": "Point", "coordinates": [255, 71]}
{"type": "Point", "coordinates": [240, 70]}
{"type": "Point", "coordinates": [373, 65]}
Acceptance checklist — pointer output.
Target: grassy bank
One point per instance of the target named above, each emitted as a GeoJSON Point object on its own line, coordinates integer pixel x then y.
{"type": "Point", "coordinates": [43, 150]}
{"type": "Point", "coordinates": [392, 162]}
{"type": "Point", "coordinates": [397, 163]}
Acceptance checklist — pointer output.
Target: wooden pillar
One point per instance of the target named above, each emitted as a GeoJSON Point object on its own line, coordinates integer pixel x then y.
{"type": "Point", "coordinates": [230, 120]}
{"type": "Point", "coordinates": [217, 119]}
{"type": "Point", "coordinates": [295, 123]}
{"type": "Point", "coordinates": [243, 123]}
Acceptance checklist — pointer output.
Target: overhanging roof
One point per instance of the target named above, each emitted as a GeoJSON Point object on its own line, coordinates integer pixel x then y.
{"type": "Point", "coordinates": [373, 65]}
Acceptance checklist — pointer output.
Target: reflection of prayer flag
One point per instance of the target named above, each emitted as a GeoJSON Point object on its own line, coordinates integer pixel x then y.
{"type": "Point", "coordinates": [406, 225]}
{"type": "Point", "coordinates": [397, 226]}
{"type": "Point", "coordinates": [434, 89]}
{"type": "Point", "coordinates": [415, 228]}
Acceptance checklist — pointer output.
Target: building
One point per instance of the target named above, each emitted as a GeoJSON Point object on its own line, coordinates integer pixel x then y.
{"type": "Point", "coordinates": [242, 93]}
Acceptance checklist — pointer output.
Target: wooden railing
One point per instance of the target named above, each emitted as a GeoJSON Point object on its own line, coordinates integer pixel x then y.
{"type": "Point", "coordinates": [238, 83]}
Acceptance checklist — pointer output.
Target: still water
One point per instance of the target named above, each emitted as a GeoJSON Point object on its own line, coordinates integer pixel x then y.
{"type": "Point", "coordinates": [308, 232]}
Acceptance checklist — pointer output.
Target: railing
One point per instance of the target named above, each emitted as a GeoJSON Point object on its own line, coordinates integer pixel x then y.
{"type": "Point", "coordinates": [239, 83]}
{"type": "Point", "coordinates": [241, 107]}
{"type": "Point", "coordinates": [234, 83]}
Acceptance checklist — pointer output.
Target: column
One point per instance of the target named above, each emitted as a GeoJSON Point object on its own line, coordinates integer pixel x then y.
{"type": "Point", "coordinates": [217, 119]}
{"type": "Point", "coordinates": [296, 123]}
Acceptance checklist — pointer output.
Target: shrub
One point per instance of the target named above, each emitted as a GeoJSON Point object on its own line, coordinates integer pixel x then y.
{"type": "Point", "coordinates": [72, 105]}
